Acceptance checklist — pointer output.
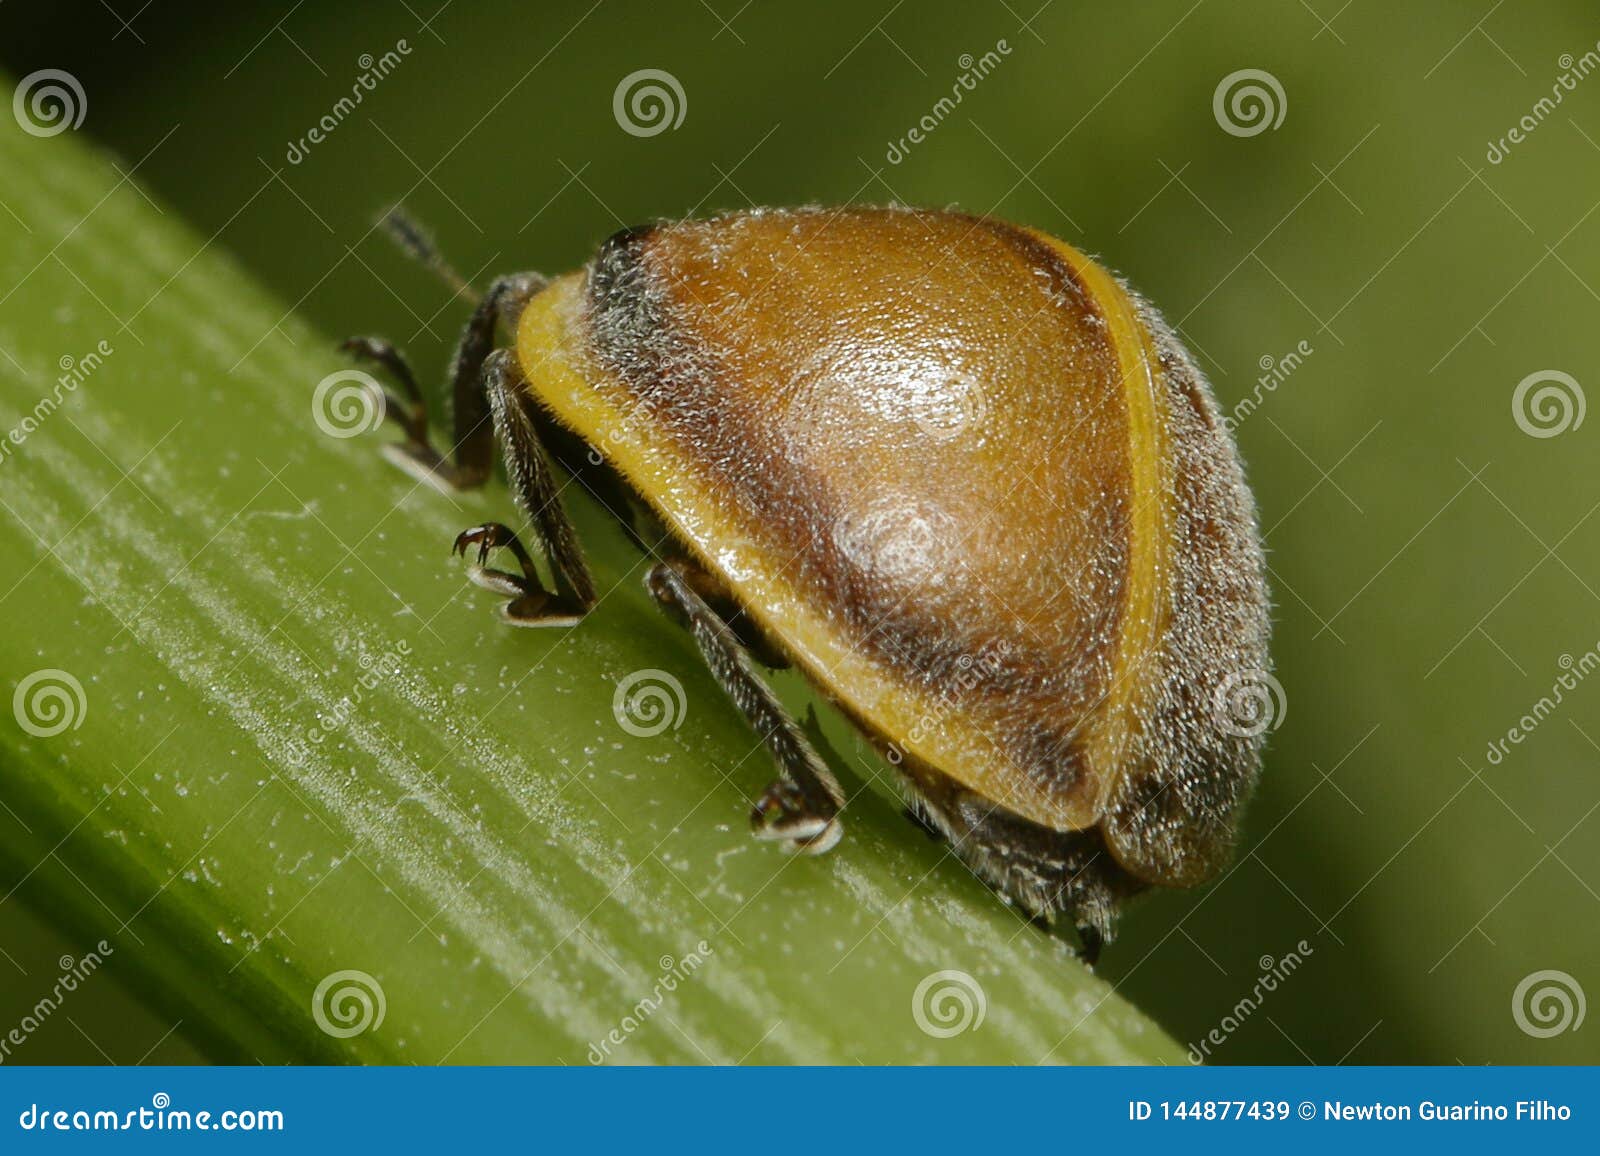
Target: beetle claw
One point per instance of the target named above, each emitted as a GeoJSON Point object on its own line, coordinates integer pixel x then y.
{"type": "Point", "coordinates": [782, 814]}
{"type": "Point", "coordinates": [486, 537]}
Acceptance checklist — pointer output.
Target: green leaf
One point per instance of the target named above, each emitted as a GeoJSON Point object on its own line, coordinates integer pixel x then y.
{"type": "Point", "coordinates": [305, 746]}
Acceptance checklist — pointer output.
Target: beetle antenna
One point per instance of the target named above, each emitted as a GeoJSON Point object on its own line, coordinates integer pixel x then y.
{"type": "Point", "coordinates": [417, 243]}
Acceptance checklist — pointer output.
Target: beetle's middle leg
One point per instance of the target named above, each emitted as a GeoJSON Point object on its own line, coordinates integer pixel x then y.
{"type": "Point", "coordinates": [800, 807]}
{"type": "Point", "coordinates": [471, 459]}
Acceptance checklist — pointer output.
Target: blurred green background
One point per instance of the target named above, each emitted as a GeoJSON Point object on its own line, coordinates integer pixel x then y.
{"type": "Point", "coordinates": [1432, 562]}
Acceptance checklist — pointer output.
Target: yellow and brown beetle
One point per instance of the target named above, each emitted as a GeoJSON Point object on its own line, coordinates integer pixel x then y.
{"type": "Point", "coordinates": [960, 475]}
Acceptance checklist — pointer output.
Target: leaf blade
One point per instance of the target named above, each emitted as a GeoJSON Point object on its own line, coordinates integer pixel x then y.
{"type": "Point", "coordinates": [471, 829]}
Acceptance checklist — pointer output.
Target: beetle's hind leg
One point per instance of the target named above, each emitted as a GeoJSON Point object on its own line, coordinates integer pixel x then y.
{"type": "Point", "coordinates": [801, 806]}
{"type": "Point", "coordinates": [532, 603]}
{"type": "Point", "coordinates": [472, 458]}
{"type": "Point", "coordinates": [1042, 872]}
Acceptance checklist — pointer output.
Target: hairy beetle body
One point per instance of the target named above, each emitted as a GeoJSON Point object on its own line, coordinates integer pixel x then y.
{"type": "Point", "coordinates": [966, 479]}
{"type": "Point", "coordinates": [954, 470]}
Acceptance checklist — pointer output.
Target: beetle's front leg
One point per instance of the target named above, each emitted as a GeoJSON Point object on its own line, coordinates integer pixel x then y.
{"type": "Point", "coordinates": [531, 478]}
{"type": "Point", "coordinates": [472, 457]}
{"type": "Point", "coordinates": [531, 604]}
{"type": "Point", "coordinates": [801, 807]}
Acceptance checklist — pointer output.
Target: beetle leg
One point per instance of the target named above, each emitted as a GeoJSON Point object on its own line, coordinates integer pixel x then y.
{"type": "Point", "coordinates": [1043, 872]}
{"type": "Point", "coordinates": [1093, 940]}
{"type": "Point", "coordinates": [535, 486]}
{"type": "Point", "coordinates": [472, 458]}
{"type": "Point", "coordinates": [531, 604]}
{"type": "Point", "coordinates": [801, 806]}
{"type": "Point", "coordinates": [411, 415]}
{"type": "Point", "coordinates": [725, 606]}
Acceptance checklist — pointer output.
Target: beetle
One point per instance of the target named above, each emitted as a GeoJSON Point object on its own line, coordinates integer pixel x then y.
{"type": "Point", "coordinates": [958, 473]}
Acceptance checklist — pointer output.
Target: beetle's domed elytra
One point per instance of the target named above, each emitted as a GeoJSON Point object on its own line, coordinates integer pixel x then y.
{"type": "Point", "coordinates": [968, 481]}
